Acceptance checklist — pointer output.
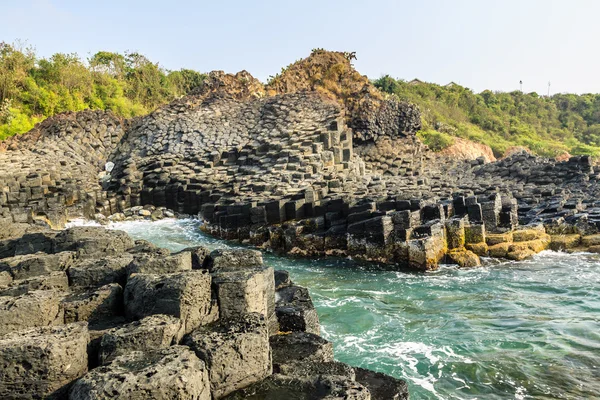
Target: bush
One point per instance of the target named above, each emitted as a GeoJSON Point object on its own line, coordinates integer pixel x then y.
{"type": "Point", "coordinates": [436, 141]}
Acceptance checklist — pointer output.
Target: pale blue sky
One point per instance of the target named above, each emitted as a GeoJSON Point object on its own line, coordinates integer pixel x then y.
{"type": "Point", "coordinates": [481, 44]}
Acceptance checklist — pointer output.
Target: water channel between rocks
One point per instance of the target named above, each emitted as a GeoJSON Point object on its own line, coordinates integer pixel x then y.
{"type": "Point", "coordinates": [528, 329]}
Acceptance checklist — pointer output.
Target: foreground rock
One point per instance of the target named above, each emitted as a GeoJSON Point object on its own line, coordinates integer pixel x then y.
{"type": "Point", "coordinates": [189, 325]}
{"type": "Point", "coordinates": [172, 373]}
{"type": "Point", "coordinates": [236, 351]}
{"type": "Point", "coordinates": [42, 362]}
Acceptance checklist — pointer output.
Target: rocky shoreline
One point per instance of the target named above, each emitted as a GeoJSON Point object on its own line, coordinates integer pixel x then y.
{"type": "Point", "coordinates": [287, 166]}
{"type": "Point", "coordinates": [87, 313]}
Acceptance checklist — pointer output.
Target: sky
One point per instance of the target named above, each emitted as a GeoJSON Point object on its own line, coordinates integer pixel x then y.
{"type": "Point", "coordinates": [480, 44]}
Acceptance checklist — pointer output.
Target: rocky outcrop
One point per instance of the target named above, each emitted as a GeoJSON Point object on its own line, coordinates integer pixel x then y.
{"type": "Point", "coordinates": [370, 114]}
{"type": "Point", "coordinates": [316, 162]}
{"type": "Point", "coordinates": [131, 329]}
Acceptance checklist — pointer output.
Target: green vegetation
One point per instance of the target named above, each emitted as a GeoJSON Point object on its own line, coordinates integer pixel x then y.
{"type": "Point", "coordinates": [435, 140]}
{"type": "Point", "coordinates": [548, 126]}
{"type": "Point", "coordinates": [129, 84]}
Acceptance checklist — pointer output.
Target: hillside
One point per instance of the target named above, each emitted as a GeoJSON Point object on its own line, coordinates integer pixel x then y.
{"type": "Point", "coordinates": [548, 126]}
{"type": "Point", "coordinates": [129, 85]}
{"type": "Point", "coordinates": [33, 88]}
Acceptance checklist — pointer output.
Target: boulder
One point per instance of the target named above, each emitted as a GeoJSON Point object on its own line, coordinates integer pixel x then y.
{"type": "Point", "coordinates": [277, 387]}
{"type": "Point", "coordinates": [243, 291]}
{"type": "Point", "coordinates": [151, 264]}
{"type": "Point", "coordinates": [300, 347]}
{"type": "Point", "coordinates": [303, 369]}
{"type": "Point", "coordinates": [282, 279]}
{"type": "Point", "coordinates": [185, 295]}
{"type": "Point", "coordinates": [381, 386]}
{"type": "Point", "coordinates": [42, 362]}
{"type": "Point", "coordinates": [31, 243]}
{"type": "Point", "coordinates": [150, 333]}
{"type": "Point", "coordinates": [31, 265]}
{"type": "Point", "coordinates": [96, 272]}
{"type": "Point", "coordinates": [164, 374]}
{"type": "Point", "coordinates": [229, 259]}
{"type": "Point", "coordinates": [92, 240]}
{"type": "Point", "coordinates": [199, 254]}
{"type": "Point", "coordinates": [33, 309]}
{"type": "Point", "coordinates": [55, 281]}
{"type": "Point", "coordinates": [93, 306]}
{"type": "Point", "coordinates": [464, 258]}
{"type": "Point", "coordinates": [295, 310]}
{"type": "Point", "coordinates": [564, 242]}
{"type": "Point", "coordinates": [236, 352]}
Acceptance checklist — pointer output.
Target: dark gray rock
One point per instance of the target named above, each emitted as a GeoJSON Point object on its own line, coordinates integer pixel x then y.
{"type": "Point", "coordinates": [300, 347]}
{"type": "Point", "coordinates": [381, 386]}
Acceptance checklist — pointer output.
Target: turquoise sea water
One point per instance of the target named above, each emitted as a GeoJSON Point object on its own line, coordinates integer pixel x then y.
{"type": "Point", "coordinates": [514, 330]}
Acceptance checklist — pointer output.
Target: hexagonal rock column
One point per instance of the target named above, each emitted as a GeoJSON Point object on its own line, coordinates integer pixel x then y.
{"type": "Point", "coordinates": [39, 362]}
{"type": "Point", "coordinates": [331, 387]}
{"type": "Point", "coordinates": [92, 240]}
{"type": "Point", "coordinates": [94, 306]}
{"type": "Point", "coordinates": [172, 373]}
{"type": "Point", "coordinates": [300, 347]}
{"type": "Point", "coordinates": [295, 310]}
{"type": "Point", "coordinates": [185, 295]}
{"type": "Point", "coordinates": [34, 309]}
{"type": "Point", "coordinates": [151, 333]}
{"type": "Point", "coordinates": [381, 386]}
{"type": "Point", "coordinates": [151, 264]}
{"type": "Point", "coordinates": [32, 265]}
{"type": "Point", "coordinates": [242, 284]}
{"type": "Point", "coordinates": [236, 352]}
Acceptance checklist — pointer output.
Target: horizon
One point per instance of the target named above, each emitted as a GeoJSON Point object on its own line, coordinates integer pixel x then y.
{"type": "Point", "coordinates": [537, 42]}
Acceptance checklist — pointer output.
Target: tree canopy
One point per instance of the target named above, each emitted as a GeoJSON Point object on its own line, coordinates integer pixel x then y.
{"type": "Point", "coordinates": [129, 84]}
{"type": "Point", "coordinates": [548, 126]}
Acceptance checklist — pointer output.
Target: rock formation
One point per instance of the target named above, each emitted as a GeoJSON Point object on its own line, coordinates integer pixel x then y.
{"type": "Point", "coordinates": [318, 161]}
{"type": "Point", "coordinates": [153, 325]}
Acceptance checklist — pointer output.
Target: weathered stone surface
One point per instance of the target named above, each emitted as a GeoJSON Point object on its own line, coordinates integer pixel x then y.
{"type": "Point", "coordinates": [564, 242]}
{"type": "Point", "coordinates": [300, 347]}
{"type": "Point", "coordinates": [102, 303]}
{"type": "Point", "coordinates": [150, 264]}
{"type": "Point", "coordinates": [87, 241]}
{"type": "Point", "coordinates": [236, 352]}
{"type": "Point", "coordinates": [172, 373]}
{"type": "Point", "coordinates": [225, 259]}
{"type": "Point", "coordinates": [55, 281]}
{"type": "Point", "coordinates": [42, 362]}
{"type": "Point", "coordinates": [199, 254]}
{"type": "Point", "coordinates": [295, 310]}
{"type": "Point", "coordinates": [282, 279]}
{"type": "Point", "coordinates": [33, 309]}
{"type": "Point", "coordinates": [95, 272]}
{"type": "Point", "coordinates": [30, 265]}
{"type": "Point", "coordinates": [464, 258]}
{"type": "Point", "coordinates": [278, 386]}
{"type": "Point", "coordinates": [243, 291]}
{"type": "Point", "coordinates": [150, 333]}
{"type": "Point", "coordinates": [381, 386]}
{"type": "Point", "coordinates": [185, 295]}
{"type": "Point", "coordinates": [304, 369]}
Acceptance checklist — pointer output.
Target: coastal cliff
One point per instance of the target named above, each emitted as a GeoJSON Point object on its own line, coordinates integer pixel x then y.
{"type": "Point", "coordinates": [318, 162]}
